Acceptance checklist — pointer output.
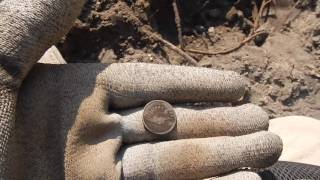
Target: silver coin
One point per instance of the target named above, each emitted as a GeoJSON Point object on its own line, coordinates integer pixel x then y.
{"type": "Point", "coordinates": [159, 117]}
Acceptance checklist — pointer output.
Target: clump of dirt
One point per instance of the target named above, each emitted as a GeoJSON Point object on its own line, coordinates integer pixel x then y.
{"type": "Point", "coordinates": [282, 65]}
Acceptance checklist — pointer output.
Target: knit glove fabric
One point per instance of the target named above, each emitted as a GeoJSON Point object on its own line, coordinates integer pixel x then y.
{"type": "Point", "coordinates": [84, 121]}
{"type": "Point", "coordinates": [76, 121]}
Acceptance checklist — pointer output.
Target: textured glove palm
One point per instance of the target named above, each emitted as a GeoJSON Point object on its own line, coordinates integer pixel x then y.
{"type": "Point", "coordinates": [71, 122]}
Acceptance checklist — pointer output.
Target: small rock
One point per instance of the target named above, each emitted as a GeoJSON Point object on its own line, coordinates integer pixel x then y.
{"type": "Point", "coordinates": [130, 51]}
{"type": "Point", "coordinates": [257, 75]}
{"type": "Point", "coordinates": [308, 47]}
{"type": "Point", "coordinates": [211, 31]}
{"type": "Point", "coordinates": [316, 30]}
{"type": "Point", "coordinates": [316, 41]}
{"type": "Point", "coordinates": [260, 39]}
{"type": "Point", "coordinates": [200, 29]}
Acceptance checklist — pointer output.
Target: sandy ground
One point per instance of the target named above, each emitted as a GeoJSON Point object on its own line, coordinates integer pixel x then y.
{"type": "Point", "coordinates": [282, 66]}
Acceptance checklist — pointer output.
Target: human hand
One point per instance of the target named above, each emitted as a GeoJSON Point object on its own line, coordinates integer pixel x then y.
{"type": "Point", "coordinates": [81, 114]}
{"type": "Point", "coordinates": [75, 121]}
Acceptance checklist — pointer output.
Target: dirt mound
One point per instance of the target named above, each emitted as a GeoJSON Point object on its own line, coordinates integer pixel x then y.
{"type": "Point", "coordinates": [282, 64]}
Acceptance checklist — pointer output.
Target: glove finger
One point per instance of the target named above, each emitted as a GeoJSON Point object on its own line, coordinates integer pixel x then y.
{"type": "Point", "coordinates": [223, 121]}
{"type": "Point", "coordinates": [133, 84]}
{"type": "Point", "coordinates": [29, 28]}
{"type": "Point", "coordinates": [247, 175]}
{"type": "Point", "coordinates": [200, 158]}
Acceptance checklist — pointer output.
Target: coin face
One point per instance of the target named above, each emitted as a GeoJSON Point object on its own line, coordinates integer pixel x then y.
{"type": "Point", "coordinates": [159, 117]}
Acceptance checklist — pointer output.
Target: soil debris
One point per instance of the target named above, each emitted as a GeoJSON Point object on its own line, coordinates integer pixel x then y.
{"type": "Point", "coordinates": [282, 64]}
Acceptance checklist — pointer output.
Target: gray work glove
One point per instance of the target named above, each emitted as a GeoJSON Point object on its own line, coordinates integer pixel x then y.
{"type": "Point", "coordinates": [74, 121]}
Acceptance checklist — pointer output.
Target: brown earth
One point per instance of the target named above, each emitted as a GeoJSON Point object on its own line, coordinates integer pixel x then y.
{"type": "Point", "coordinates": [282, 66]}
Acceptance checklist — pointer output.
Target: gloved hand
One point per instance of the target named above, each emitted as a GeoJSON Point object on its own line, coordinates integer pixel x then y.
{"type": "Point", "coordinates": [76, 121]}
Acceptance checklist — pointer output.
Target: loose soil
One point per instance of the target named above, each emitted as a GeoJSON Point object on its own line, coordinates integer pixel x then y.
{"type": "Point", "coordinates": [282, 66]}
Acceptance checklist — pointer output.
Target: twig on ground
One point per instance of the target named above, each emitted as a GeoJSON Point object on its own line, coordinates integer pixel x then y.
{"type": "Point", "coordinates": [190, 59]}
{"type": "Point", "coordinates": [258, 17]}
{"type": "Point", "coordinates": [254, 33]}
{"type": "Point", "coordinates": [134, 20]}
{"type": "Point", "coordinates": [178, 22]}
{"type": "Point", "coordinates": [227, 50]}
{"type": "Point", "coordinates": [255, 10]}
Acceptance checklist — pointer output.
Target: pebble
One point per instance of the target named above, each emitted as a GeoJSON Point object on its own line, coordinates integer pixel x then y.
{"type": "Point", "coordinates": [130, 51]}
{"type": "Point", "coordinates": [316, 41]}
{"type": "Point", "coordinates": [211, 30]}
{"type": "Point", "coordinates": [200, 29]}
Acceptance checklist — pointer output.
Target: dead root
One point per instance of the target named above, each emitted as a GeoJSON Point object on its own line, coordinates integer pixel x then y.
{"type": "Point", "coordinates": [257, 15]}
{"type": "Point", "coordinates": [171, 46]}
{"type": "Point", "coordinates": [242, 43]}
